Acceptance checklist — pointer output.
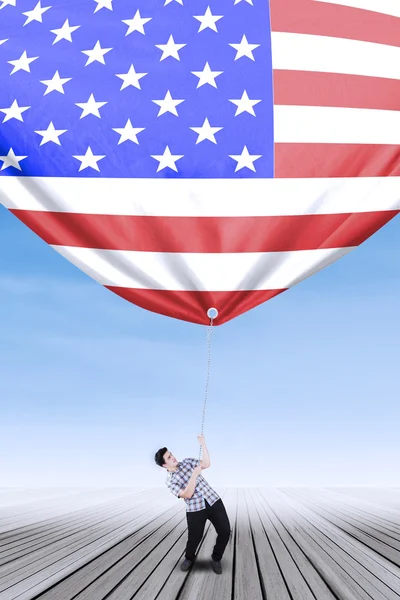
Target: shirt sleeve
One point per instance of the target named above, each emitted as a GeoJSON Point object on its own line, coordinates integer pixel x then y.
{"type": "Point", "coordinates": [193, 462]}
{"type": "Point", "coordinates": [175, 486]}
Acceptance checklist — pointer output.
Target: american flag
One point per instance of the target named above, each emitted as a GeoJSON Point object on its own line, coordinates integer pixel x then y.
{"type": "Point", "coordinates": [196, 154]}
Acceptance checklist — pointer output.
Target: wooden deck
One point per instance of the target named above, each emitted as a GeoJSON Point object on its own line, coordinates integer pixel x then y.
{"type": "Point", "coordinates": [286, 544]}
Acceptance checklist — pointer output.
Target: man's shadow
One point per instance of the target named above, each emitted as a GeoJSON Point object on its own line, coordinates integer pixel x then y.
{"type": "Point", "coordinates": [204, 564]}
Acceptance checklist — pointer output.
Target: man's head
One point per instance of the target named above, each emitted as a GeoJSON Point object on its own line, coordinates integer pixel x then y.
{"type": "Point", "coordinates": [164, 458]}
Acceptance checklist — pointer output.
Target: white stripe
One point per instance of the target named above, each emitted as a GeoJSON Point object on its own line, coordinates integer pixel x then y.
{"type": "Point", "coordinates": [304, 52]}
{"type": "Point", "coordinates": [385, 7]}
{"type": "Point", "coordinates": [200, 272]}
{"type": "Point", "coordinates": [336, 125]}
{"type": "Point", "coordinates": [201, 197]}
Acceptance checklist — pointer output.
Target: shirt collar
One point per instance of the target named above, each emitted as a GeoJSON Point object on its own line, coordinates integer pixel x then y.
{"type": "Point", "coordinates": [179, 467]}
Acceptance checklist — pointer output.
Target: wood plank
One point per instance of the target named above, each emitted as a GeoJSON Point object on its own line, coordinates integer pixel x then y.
{"type": "Point", "coordinates": [110, 518]}
{"type": "Point", "coordinates": [26, 539]}
{"type": "Point", "coordinates": [379, 546]}
{"type": "Point", "coordinates": [339, 570]}
{"type": "Point", "coordinates": [70, 556]}
{"type": "Point", "coordinates": [286, 544]}
{"type": "Point", "coordinates": [272, 581]}
{"type": "Point", "coordinates": [350, 554]}
{"type": "Point", "coordinates": [294, 579]}
{"type": "Point", "coordinates": [246, 580]}
{"type": "Point", "coordinates": [101, 575]}
{"type": "Point", "coordinates": [283, 522]}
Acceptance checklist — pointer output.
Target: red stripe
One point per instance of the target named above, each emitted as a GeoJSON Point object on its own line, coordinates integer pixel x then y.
{"type": "Point", "coordinates": [302, 88]}
{"type": "Point", "coordinates": [204, 234]}
{"type": "Point", "coordinates": [193, 306]}
{"type": "Point", "coordinates": [307, 16]}
{"type": "Point", "coordinates": [336, 160]}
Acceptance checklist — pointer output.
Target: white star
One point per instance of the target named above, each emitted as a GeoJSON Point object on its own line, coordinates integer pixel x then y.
{"type": "Point", "coordinates": [8, 3]}
{"type": "Point", "coordinates": [206, 132]}
{"type": "Point", "coordinates": [96, 54]}
{"type": "Point", "coordinates": [91, 107]}
{"type": "Point", "coordinates": [4, 41]}
{"type": "Point", "coordinates": [11, 160]}
{"type": "Point", "coordinates": [167, 159]}
{"type": "Point", "coordinates": [131, 78]}
{"type": "Point", "coordinates": [137, 23]}
{"type": "Point", "coordinates": [207, 76]}
{"type": "Point", "coordinates": [89, 160]}
{"type": "Point", "coordinates": [169, 2]}
{"type": "Point", "coordinates": [244, 48]}
{"type": "Point", "coordinates": [103, 4]}
{"type": "Point", "coordinates": [14, 112]}
{"type": "Point", "coordinates": [35, 14]}
{"type": "Point", "coordinates": [168, 105]}
{"type": "Point", "coordinates": [244, 104]}
{"type": "Point", "coordinates": [170, 49]}
{"type": "Point", "coordinates": [22, 63]}
{"type": "Point", "coordinates": [245, 159]}
{"type": "Point", "coordinates": [248, 2]}
{"type": "Point", "coordinates": [64, 32]}
{"type": "Point", "coordinates": [128, 132]}
{"type": "Point", "coordinates": [208, 20]}
{"type": "Point", "coordinates": [50, 134]}
{"type": "Point", "coordinates": [55, 84]}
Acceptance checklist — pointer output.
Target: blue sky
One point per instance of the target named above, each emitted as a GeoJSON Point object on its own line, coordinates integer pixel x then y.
{"type": "Point", "coordinates": [304, 388]}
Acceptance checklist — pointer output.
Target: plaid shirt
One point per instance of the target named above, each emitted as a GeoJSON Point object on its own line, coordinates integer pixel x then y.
{"type": "Point", "coordinates": [177, 480]}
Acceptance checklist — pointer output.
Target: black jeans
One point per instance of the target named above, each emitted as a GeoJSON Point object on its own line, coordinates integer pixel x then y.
{"type": "Point", "coordinates": [196, 523]}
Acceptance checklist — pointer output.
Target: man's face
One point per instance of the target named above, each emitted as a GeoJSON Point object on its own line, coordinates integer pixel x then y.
{"type": "Point", "coordinates": [169, 460]}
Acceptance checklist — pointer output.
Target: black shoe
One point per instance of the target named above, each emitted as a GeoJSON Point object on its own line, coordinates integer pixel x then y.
{"type": "Point", "coordinates": [185, 566]}
{"type": "Point", "coordinates": [216, 565]}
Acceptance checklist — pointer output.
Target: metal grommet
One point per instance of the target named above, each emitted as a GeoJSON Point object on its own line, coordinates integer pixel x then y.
{"type": "Point", "coordinates": [212, 313]}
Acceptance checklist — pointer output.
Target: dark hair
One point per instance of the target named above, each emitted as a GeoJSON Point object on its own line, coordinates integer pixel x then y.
{"type": "Point", "coordinates": [158, 457]}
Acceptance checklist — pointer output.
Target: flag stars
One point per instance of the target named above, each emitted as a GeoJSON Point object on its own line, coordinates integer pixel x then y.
{"type": "Point", "coordinates": [89, 160]}
{"type": "Point", "coordinates": [11, 160]}
{"type": "Point", "coordinates": [168, 104]}
{"type": "Point", "coordinates": [5, 3]}
{"type": "Point", "coordinates": [4, 41]}
{"type": "Point", "coordinates": [97, 54]}
{"type": "Point", "coordinates": [244, 104]}
{"type": "Point", "coordinates": [245, 160]}
{"type": "Point", "coordinates": [206, 76]}
{"type": "Point", "coordinates": [65, 32]}
{"type": "Point", "coordinates": [206, 132]}
{"type": "Point", "coordinates": [103, 4]}
{"type": "Point", "coordinates": [169, 2]}
{"type": "Point", "coordinates": [128, 133]}
{"type": "Point", "coordinates": [131, 78]}
{"type": "Point", "coordinates": [208, 20]}
{"type": "Point", "coordinates": [91, 107]}
{"type": "Point", "coordinates": [248, 2]}
{"type": "Point", "coordinates": [137, 23]}
{"type": "Point", "coordinates": [55, 84]}
{"type": "Point", "coordinates": [170, 49]}
{"type": "Point", "coordinates": [22, 63]}
{"type": "Point", "coordinates": [35, 14]}
{"type": "Point", "coordinates": [244, 49]}
{"type": "Point", "coordinates": [50, 134]}
{"type": "Point", "coordinates": [14, 112]}
{"type": "Point", "coordinates": [167, 160]}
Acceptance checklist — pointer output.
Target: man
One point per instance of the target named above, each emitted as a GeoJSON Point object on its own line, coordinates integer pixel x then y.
{"type": "Point", "coordinates": [184, 480]}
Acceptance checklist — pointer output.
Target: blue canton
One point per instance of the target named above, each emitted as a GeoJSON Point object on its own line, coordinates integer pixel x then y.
{"type": "Point", "coordinates": [143, 89]}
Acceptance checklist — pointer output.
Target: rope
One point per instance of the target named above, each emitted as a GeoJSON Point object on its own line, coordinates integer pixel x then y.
{"type": "Point", "coordinates": [208, 346]}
